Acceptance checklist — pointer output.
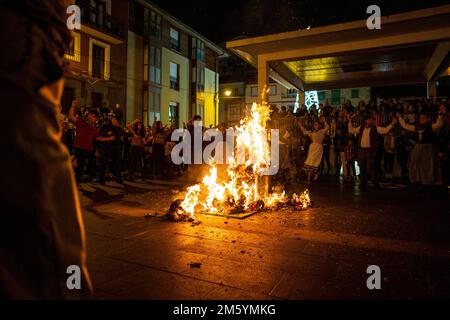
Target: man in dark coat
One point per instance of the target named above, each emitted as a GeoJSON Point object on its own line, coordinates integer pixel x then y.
{"type": "Point", "coordinates": [42, 233]}
{"type": "Point", "coordinates": [368, 136]}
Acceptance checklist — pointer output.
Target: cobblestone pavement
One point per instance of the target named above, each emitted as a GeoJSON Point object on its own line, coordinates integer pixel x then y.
{"type": "Point", "coordinates": [320, 253]}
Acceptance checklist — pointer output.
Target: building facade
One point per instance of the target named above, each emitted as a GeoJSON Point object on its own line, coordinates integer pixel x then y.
{"type": "Point", "coordinates": [97, 56]}
{"type": "Point", "coordinates": [235, 97]}
{"type": "Point", "coordinates": [132, 53]}
{"type": "Point", "coordinates": [172, 71]}
{"type": "Point", "coordinates": [337, 97]}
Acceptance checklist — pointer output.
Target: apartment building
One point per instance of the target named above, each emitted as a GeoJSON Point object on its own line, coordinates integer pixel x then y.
{"type": "Point", "coordinates": [97, 56]}
{"type": "Point", "coordinates": [172, 71]}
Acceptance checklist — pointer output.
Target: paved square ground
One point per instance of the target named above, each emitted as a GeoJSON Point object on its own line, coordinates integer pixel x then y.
{"type": "Point", "coordinates": [320, 253]}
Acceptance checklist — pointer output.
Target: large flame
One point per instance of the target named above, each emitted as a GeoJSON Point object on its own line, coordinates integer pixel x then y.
{"type": "Point", "coordinates": [242, 189]}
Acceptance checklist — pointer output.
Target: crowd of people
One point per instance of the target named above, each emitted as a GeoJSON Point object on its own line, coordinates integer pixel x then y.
{"type": "Point", "coordinates": [101, 147]}
{"type": "Point", "coordinates": [397, 139]}
{"type": "Point", "coordinates": [394, 139]}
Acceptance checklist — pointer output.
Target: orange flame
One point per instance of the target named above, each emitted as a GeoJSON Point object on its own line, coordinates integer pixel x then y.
{"type": "Point", "coordinates": [240, 189]}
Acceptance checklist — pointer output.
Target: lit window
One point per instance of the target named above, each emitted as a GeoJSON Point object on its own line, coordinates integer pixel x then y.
{"type": "Point", "coordinates": [174, 76]}
{"type": "Point", "coordinates": [174, 39]}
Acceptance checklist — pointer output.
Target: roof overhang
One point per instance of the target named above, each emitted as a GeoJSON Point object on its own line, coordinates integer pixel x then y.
{"type": "Point", "coordinates": [410, 47]}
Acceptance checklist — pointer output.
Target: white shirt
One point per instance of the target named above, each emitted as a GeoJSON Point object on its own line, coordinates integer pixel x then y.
{"type": "Point", "coordinates": [365, 139]}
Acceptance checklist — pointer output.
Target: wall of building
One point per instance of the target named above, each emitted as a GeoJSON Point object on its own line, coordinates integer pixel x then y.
{"type": "Point", "coordinates": [345, 94]}
{"type": "Point", "coordinates": [135, 77]}
{"type": "Point", "coordinates": [277, 95]}
{"type": "Point", "coordinates": [168, 95]}
{"type": "Point", "coordinates": [211, 107]}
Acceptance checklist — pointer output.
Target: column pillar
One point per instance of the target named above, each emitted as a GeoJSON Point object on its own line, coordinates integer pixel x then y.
{"type": "Point", "coordinates": [431, 89]}
{"type": "Point", "coordinates": [263, 76]}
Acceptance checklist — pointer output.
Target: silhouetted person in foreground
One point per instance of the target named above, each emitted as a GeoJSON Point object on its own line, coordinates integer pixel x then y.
{"type": "Point", "coordinates": [41, 228]}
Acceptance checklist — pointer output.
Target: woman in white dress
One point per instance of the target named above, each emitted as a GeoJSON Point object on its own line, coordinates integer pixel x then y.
{"type": "Point", "coordinates": [423, 164]}
{"type": "Point", "coordinates": [315, 151]}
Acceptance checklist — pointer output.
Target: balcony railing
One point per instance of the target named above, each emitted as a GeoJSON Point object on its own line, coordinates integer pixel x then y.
{"type": "Point", "coordinates": [98, 18]}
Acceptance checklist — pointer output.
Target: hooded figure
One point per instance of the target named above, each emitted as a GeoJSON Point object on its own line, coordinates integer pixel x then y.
{"type": "Point", "coordinates": [42, 233]}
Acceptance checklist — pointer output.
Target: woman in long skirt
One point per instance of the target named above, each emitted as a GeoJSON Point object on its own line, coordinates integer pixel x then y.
{"type": "Point", "coordinates": [315, 151]}
{"type": "Point", "coordinates": [422, 163]}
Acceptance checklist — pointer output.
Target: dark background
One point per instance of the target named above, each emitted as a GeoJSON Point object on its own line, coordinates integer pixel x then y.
{"type": "Point", "coordinates": [221, 21]}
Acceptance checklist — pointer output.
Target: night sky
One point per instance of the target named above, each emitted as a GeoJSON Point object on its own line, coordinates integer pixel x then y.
{"type": "Point", "coordinates": [224, 20]}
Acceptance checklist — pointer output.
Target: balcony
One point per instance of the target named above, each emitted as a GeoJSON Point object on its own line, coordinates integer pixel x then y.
{"type": "Point", "coordinates": [97, 18]}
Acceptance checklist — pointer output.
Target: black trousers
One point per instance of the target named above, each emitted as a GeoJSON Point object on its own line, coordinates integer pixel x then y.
{"type": "Point", "coordinates": [351, 172]}
{"type": "Point", "coordinates": [83, 156]}
{"type": "Point", "coordinates": [111, 155]}
{"type": "Point", "coordinates": [366, 162]}
{"type": "Point", "coordinates": [325, 160]}
{"type": "Point", "coordinates": [388, 162]}
{"type": "Point", "coordinates": [136, 155]}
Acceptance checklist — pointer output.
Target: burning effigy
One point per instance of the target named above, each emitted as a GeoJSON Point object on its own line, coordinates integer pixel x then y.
{"type": "Point", "coordinates": [244, 186]}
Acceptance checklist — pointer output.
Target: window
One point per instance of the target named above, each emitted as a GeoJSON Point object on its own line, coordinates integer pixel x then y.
{"type": "Point", "coordinates": [291, 93]}
{"type": "Point", "coordinates": [73, 51]}
{"type": "Point", "coordinates": [335, 97]}
{"type": "Point", "coordinates": [174, 76]}
{"type": "Point", "coordinates": [98, 12]}
{"type": "Point", "coordinates": [198, 49]}
{"type": "Point", "coordinates": [154, 106]}
{"type": "Point", "coordinates": [98, 61]}
{"type": "Point", "coordinates": [155, 24]}
{"type": "Point", "coordinates": [234, 113]}
{"type": "Point", "coordinates": [272, 90]}
{"type": "Point", "coordinates": [174, 113]}
{"type": "Point", "coordinates": [200, 110]}
{"type": "Point", "coordinates": [155, 64]}
{"type": "Point", "coordinates": [194, 74]}
{"type": "Point", "coordinates": [174, 39]}
{"type": "Point", "coordinates": [146, 21]}
{"type": "Point", "coordinates": [146, 61]}
{"type": "Point", "coordinates": [201, 79]}
{"type": "Point", "coordinates": [355, 93]}
{"type": "Point", "coordinates": [254, 91]}
{"type": "Point", "coordinates": [321, 95]}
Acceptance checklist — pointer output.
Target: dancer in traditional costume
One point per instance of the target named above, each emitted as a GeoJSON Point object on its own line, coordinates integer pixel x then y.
{"type": "Point", "coordinates": [315, 151]}
{"type": "Point", "coordinates": [368, 136]}
{"type": "Point", "coordinates": [423, 163]}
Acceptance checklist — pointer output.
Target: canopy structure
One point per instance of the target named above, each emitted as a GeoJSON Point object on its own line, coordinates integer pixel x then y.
{"type": "Point", "coordinates": [411, 47]}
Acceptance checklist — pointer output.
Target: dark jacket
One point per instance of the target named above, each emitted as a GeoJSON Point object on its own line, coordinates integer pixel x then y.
{"type": "Point", "coordinates": [373, 137]}
{"type": "Point", "coordinates": [41, 229]}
